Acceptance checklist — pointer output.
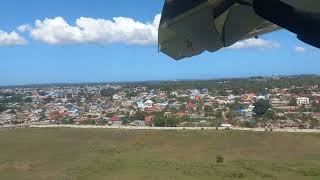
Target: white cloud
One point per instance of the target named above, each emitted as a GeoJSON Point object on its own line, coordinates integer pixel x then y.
{"type": "Point", "coordinates": [24, 28]}
{"type": "Point", "coordinates": [300, 49]}
{"type": "Point", "coordinates": [99, 31]}
{"type": "Point", "coordinates": [11, 39]}
{"type": "Point", "coordinates": [254, 43]}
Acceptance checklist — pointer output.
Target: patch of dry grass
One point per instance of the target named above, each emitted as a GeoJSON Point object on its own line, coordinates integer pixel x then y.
{"type": "Point", "coordinates": [98, 154]}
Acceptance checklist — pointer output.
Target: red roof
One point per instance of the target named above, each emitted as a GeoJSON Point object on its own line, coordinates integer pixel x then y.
{"type": "Point", "coordinates": [155, 108]}
{"type": "Point", "coordinates": [149, 119]}
{"type": "Point", "coordinates": [190, 105]}
{"type": "Point", "coordinates": [181, 114]}
{"type": "Point", "coordinates": [316, 115]}
{"type": "Point", "coordinates": [115, 118]}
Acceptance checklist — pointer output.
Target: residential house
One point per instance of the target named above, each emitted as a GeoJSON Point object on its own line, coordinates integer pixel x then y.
{"type": "Point", "coordinates": [149, 120]}
{"type": "Point", "coordinates": [316, 115]}
{"type": "Point", "coordinates": [116, 120]}
{"type": "Point", "coordinates": [190, 105]}
{"type": "Point", "coordinates": [303, 101]}
{"type": "Point", "coordinates": [181, 114]}
{"type": "Point", "coordinates": [148, 104]}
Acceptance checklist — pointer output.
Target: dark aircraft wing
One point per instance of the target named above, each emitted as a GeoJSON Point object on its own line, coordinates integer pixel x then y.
{"type": "Point", "coordinates": [190, 27]}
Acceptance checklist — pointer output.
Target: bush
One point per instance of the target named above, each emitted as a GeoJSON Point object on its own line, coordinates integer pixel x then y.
{"type": "Point", "coordinates": [88, 122]}
{"type": "Point", "coordinates": [220, 159]}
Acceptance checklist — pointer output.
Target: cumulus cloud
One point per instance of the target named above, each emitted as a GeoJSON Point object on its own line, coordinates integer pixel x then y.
{"type": "Point", "coordinates": [11, 39]}
{"type": "Point", "coordinates": [84, 30]}
{"type": "Point", "coordinates": [99, 31]}
{"type": "Point", "coordinates": [300, 49]}
{"type": "Point", "coordinates": [255, 43]}
{"type": "Point", "coordinates": [24, 28]}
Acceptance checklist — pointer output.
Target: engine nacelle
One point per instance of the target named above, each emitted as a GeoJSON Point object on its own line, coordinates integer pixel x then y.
{"type": "Point", "coordinates": [301, 22]}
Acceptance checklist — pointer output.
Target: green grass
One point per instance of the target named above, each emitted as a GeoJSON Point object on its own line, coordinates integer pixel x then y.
{"type": "Point", "coordinates": [98, 154]}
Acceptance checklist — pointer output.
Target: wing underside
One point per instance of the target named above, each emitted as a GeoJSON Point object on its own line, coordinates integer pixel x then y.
{"type": "Point", "coordinates": [204, 25]}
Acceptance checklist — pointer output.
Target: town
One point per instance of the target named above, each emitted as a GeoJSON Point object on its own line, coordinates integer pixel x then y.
{"type": "Point", "coordinates": [273, 102]}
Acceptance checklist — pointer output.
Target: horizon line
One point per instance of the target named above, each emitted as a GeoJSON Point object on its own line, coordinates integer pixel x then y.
{"type": "Point", "coordinates": [145, 81]}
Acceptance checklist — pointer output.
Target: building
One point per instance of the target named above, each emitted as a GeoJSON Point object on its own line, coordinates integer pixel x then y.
{"type": "Point", "coordinates": [148, 104]}
{"type": "Point", "coordinates": [190, 105]}
{"type": "Point", "coordinates": [139, 123]}
{"type": "Point", "coordinates": [225, 125]}
{"type": "Point", "coordinates": [303, 101]}
{"type": "Point", "coordinates": [149, 120]}
{"type": "Point", "coordinates": [316, 116]}
{"type": "Point", "coordinates": [116, 120]}
{"type": "Point", "coordinates": [317, 100]}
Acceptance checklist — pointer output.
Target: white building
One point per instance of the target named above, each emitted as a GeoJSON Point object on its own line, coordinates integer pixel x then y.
{"type": "Point", "coordinates": [226, 125]}
{"type": "Point", "coordinates": [303, 101]}
{"type": "Point", "coordinates": [148, 104]}
{"type": "Point", "coordinates": [117, 97]}
{"type": "Point", "coordinates": [140, 104]}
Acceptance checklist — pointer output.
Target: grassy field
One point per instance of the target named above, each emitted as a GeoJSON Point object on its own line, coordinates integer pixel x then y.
{"type": "Point", "coordinates": [97, 154]}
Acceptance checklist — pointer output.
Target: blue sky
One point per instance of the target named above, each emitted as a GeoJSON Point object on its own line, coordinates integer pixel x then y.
{"type": "Point", "coordinates": [35, 59]}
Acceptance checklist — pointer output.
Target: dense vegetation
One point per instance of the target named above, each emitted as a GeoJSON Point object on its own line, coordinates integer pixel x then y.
{"type": "Point", "coordinates": [241, 86]}
{"type": "Point", "coordinates": [2, 108]}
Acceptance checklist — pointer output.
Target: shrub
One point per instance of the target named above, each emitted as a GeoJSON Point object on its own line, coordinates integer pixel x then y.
{"type": "Point", "coordinates": [220, 159]}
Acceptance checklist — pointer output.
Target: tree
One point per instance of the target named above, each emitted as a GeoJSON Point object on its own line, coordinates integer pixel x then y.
{"type": "Point", "coordinates": [270, 114]}
{"type": "Point", "coordinates": [199, 108]}
{"type": "Point", "coordinates": [42, 93]}
{"type": "Point", "coordinates": [108, 92]}
{"type": "Point", "coordinates": [131, 93]}
{"type": "Point", "coordinates": [314, 123]}
{"type": "Point", "coordinates": [293, 102]}
{"type": "Point", "coordinates": [218, 114]}
{"type": "Point", "coordinates": [173, 122]}
{"type": "Point", "coordinates": [208, 111]}
{"type": "Point", "coordinates": [88, 122]}
{"type": "Point", "coordinates": [102, 121]}
{"type": "Point", "coordinates": [28, 100]}
{"type": "Point", "coordinates": [166, 122]}
{"type": "Point", "coordinates": [182, 108]}
{"type": "Point", "coordinates": [3, 108]}
{"type": "Point", "coordinates": [42, 115]}
{"type": "Point", "coordinates": [261, 107]}
{"type": "Point", "coordinates": [231, 115]}
{"type": "Point", "coordinates": [69, 96]}
{"type": "Point", "coordinates": [160, 122]}
{"type": "Point", "coordinates": [218, 118]}
{"type": "Point", "coordinates": [49, 99]}
{"type": "Point", "coordinates": [140, 115]}
{"type": "Point", "coordinates": [67, 121]}
{"type": "Point", "coordinates": [125, 121]}
{"type": "Point", "coordinates": [250, 124]}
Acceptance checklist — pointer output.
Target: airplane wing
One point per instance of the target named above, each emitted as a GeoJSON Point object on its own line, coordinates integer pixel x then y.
{"type": "Point", "coordinates": [190, 27]}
